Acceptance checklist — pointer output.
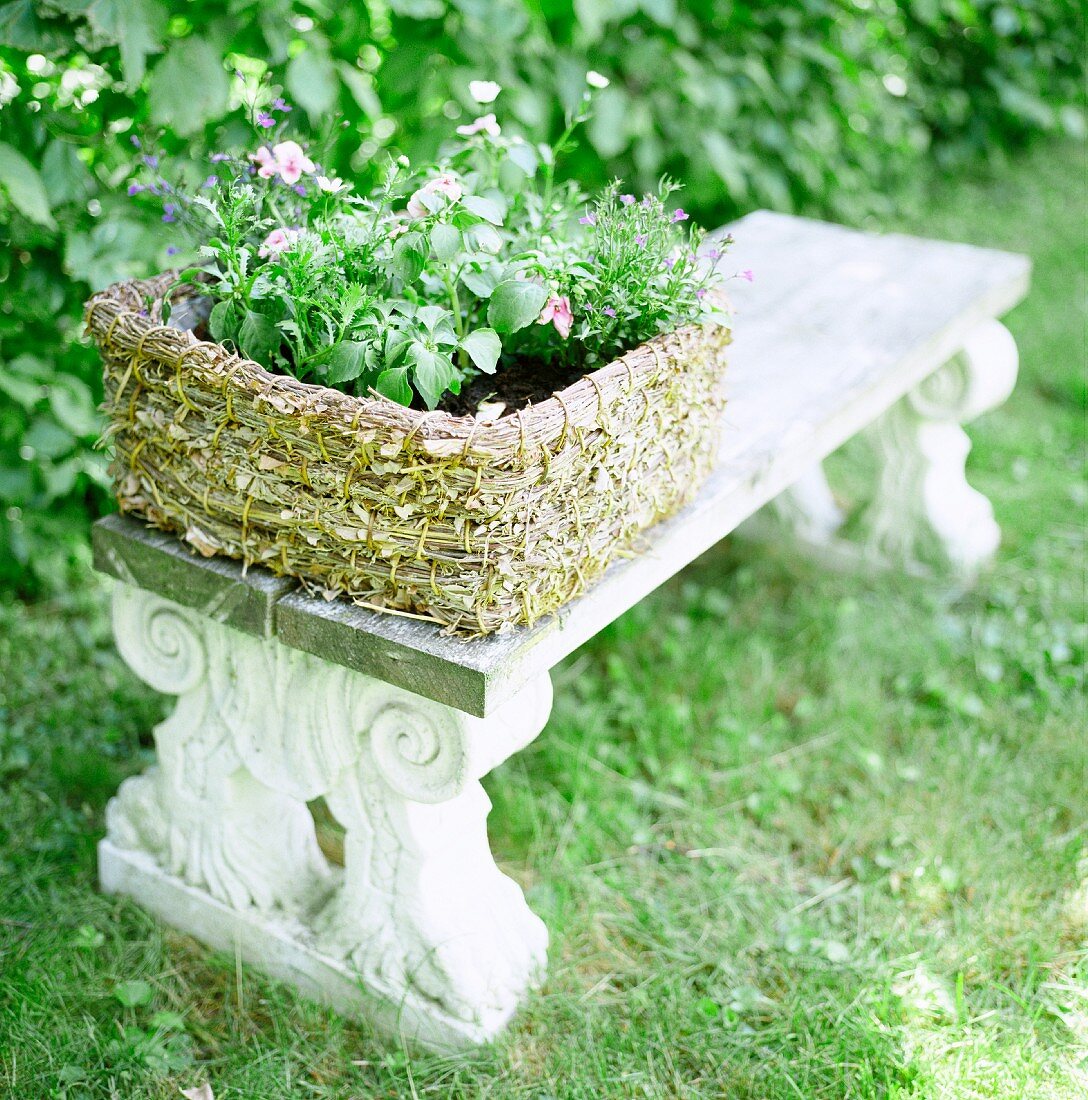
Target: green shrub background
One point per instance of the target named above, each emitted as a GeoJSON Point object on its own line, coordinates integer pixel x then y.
{"type": "Point", "coordinates": [823, 107]}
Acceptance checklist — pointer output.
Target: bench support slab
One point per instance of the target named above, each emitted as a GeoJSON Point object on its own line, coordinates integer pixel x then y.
{"type": "Point", "coordinates": [419, 930]}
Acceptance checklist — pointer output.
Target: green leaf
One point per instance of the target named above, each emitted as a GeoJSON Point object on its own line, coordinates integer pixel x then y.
{"type": "Point", "coordinates": [345, 362]}
{"type": "Point", "coordinates": [133, 994]}
{"type": "Point", "coordinates": [432, 373]}
{"type": "Point", "coordinates": [481, 283]}
{"type": "Point", "coordinates": [64, 175]}
{"type": "Point", "coordinates": [445, 242]}
{"type": "Point", "coordinates": [487, 209]}
{"type": "Point", "coordinates": [524, 156]}
{"type": "Point", "coordinates": [24, 187]}
{"type": "Point", "coordinates": [313, 81]}
{"type": "Point", "coordinates": [72, 404]}
{"type": "Point", "coordinates": [189, 87]}
{"type": "Point", "coordinates": [515, 304]}
{"type": "Point", "coordinates": [258, 338]}
{"type": "Point", "coordinates": [223, 321]}
{"type": "Point", "coordinates": [483, 347]}
{"type": "Point", "coordinates": [393, 384]}
{"type": "Point", "coordinates": [136, 26]}
{"type": "Point", "coordinates": [484, 238]}
{"type": "Point", "coordinates": [410, 256]}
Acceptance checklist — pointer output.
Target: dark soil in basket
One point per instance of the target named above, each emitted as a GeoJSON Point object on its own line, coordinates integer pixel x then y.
{"type": "Point", "coordinates": [516, 385]}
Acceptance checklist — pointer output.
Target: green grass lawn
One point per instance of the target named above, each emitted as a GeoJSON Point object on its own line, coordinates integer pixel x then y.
{"type": "Point", "coordinates": [795, 834]}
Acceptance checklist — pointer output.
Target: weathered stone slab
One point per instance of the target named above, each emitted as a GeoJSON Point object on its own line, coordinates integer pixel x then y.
{"type": "Point", "coordinates": [836, 328]}
{"type": "Point", "coordinates": [130, 551]}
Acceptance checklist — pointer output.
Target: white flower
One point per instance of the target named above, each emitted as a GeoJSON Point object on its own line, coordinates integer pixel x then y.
{"type": "Point", "coordinates": [331, 186]}
{"type": "Point", "coordinates": [595, 80]}
{"type": "Point", "coordinates": [485, 123]}
{"type": "Point", "coordinates": [484, 91]}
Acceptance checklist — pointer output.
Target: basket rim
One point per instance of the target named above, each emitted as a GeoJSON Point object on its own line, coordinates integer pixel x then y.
{"type": "Point", "coordinates": [129, 300]}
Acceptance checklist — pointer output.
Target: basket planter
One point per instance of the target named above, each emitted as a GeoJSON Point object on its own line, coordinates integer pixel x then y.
{"type": "Point", "coordinates": [478, 525]}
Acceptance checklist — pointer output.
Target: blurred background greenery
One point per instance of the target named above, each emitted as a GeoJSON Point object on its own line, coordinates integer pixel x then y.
{"type": "Point", "coordinates": [827, 107]}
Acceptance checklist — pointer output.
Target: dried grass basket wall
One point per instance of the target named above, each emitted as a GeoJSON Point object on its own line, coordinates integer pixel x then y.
{"type": "Point", "coordinates": [478, 525]}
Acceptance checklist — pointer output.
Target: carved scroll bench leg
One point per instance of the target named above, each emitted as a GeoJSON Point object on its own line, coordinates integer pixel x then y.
{"type": "Point", "coordinates": [419, 931]}
{"type": "Point", "coordinates": [924, 511]}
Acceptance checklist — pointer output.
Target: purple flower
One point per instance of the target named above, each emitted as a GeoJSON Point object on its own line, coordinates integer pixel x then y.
{"type": "Point", "coordinates": [627, 200]}
{"type": "Point", "coordinates": [151, 161]}
{"type": "Point", "coordinates": [279, 105]}
{"type": "Point", "coordinates": [299, 190]}
{"type": "Point", "coordinates": [169, 212]}
{"type": "Point", "coordinates": [713, 254]}
{"type": "Point", "coordinates": [646, 202]}
{"type": "Point", "coordinates": [135, 189]}
{"type": "Point", "coordinates": [640, 240]}
{"type": "Point", "coordinates": [747, 275]}
{"type": "Point", "coordinates": [589, 219]}
{"type": "Point", "coordinates": [135, 141]}
{"type": "Point", "coordinates": [670, 262]}
{"type": "Point", "coordinates": [211, 181]}
{"type": "Point", "coordinates": [608, 311]}
{"type": "Point", "coordinates": [701, 292]}
{"type": "Point", "coordinates": [218, 158]}
{"type": "Point", "coordinates": [678, 215]}
{"type": "Point", "coordinates": [266, 120]}
{"type": "Point", "coordinates": [172, 250]}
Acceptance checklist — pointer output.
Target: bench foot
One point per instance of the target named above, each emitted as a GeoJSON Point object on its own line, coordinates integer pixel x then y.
{"type": "Point", "coordinates": [419, 930]}
{"type": "Point", "coordinates": [924, 512]}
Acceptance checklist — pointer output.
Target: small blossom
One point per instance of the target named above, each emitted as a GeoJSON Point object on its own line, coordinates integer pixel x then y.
{"type": "Point", "coordinates": [299, 190]}
{"type": "Point", "coordinates": [640, 240]}
{"type": "Point", "coordinates": [485, 124]}
{"type": "Point", "coordinates": [135, 189]}
{"type": "Point", "coordinates": [135, 141]}
{"type": "Point", "coordinates": [441, 185]}
{"type": "Point", "coordinates": [678, 215]}
{"type": "Point", "coordinates": [595, 80]}
{"type": "Point", "coordinates": [211, 181]}
{"type": "Point", "coordinates": [713, 254]}
{"type": "Point", "coordinates": [169, 212]}
{"type": "Point", "coordinates": [608, 311]}
{"type": "Point", "coordinates": [280, 105]}
{"type": "Point", "coordinates": [265, 161]}
{"type": "Point", "coordinates": [151, 161]}
{"type": "Point", "coordinates": [701, 292]}
{"type": "Point", "coordinates": [265, 120]}
{"type": "Point", "coordinates": [557, 311]}
{"type": "Point", "coordinates": [484, 91]}
{"type": "Point", "coordinates": [670, 262]}
{"type": "Point", "coordinates": [218, 158]}
{"type": "Point", "coordinates": [403, 161]}
{"type": "Point", "coordinates": [396, 229]}
{"type": "Point", "coordinates": [172, 250]}
{"type": "Point", "coordinates": [331, 185]}
{"type": "Point", "coordinates": [588, 219]}
{"type": "Point", "coordinates": [291, 161]}
{"type": "Point", "coordinates": [627, 200]}
{"type": "Point", "coordinates": [747, 275]}
{"type": "Point", "coordinates": [279, 240]}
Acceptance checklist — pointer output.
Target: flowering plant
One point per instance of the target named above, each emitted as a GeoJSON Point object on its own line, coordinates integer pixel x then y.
{"type": "Point", "coordinates": [479, 262]}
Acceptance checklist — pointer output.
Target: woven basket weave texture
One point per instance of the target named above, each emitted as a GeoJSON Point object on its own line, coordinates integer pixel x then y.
{"type": "Point", "coordinates": [478, 525]}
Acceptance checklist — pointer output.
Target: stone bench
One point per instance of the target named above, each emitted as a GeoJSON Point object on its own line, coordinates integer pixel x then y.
{"type": "Point", "coordinates": [284, 698]}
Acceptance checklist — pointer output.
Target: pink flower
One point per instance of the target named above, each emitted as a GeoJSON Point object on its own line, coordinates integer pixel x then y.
{"type": "Point", "coordinates": [588, 219]}
{"type": "Point", "coordinates": [747, 275]}
{"type": "Point", "coordinates": [557, 311]}
{"type": "Point", "coordinates": [291, 161]}
{"type": "Point", "coordinates": [627, 200]}
{"type": "Point", "coordinates": [640, 240]}
{"type": "Point", "coordinates": [265, 161]}
{"type": "Point", "coordinates": [279, 240]}
{"type": "Point", "coordinates": [485, 124]}
{"type": "Point", "coordinates": [265, 120]}
{"type": "Point", "coordinates": [441, 185]}
{"type": "Point", "coordinates": [678, 215]}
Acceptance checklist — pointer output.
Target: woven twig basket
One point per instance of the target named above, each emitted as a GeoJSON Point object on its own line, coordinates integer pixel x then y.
{"type": "Point", "coordinates": [478, 525]}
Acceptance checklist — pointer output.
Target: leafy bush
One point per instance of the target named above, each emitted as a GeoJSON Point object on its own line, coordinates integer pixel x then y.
{"type": "Point", "coordinates": [822, 105]}
{"type": "Point", "coordinates": [442, 272]}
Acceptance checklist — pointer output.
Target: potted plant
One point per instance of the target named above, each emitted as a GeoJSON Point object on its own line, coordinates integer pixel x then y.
{"type": "Point", "coordinates": [458, 396]}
